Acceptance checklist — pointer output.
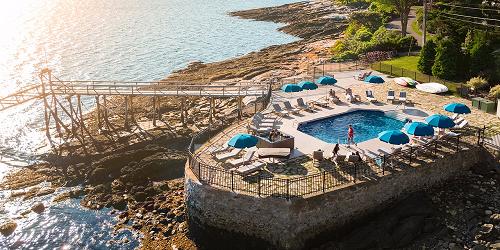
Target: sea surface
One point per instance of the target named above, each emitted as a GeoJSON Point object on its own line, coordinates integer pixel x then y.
{"type": "Point", "coordinates": [102, 40]}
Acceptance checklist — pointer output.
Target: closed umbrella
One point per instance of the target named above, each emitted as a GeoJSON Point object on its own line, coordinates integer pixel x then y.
{"type": "Point", "coordinates": [394, 137]}
{"type": "Point", "coordinates": [440, 121]}
{"type": "Point", "coordinates": [243, 141]}
{"type": "Point", "coordinates": [326, 80]}
{"type": "Point", "coordinates": [308, 85]}
{"type": "Point", "coordinates": [288, 88]}
{"type": "Point", "coordinates": [419, 129]}
{"type": "Point", "coordinates": [374, 79]}
{"type": "Point", "coordinates": [457, 108]}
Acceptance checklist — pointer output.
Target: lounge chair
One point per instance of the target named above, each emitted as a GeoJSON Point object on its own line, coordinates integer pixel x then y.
{"type": "Point", "coordinates": [279, 111]}
{"type": "Point", "coordinates": [370, 97]}
{"type": "Point", "coordinates": [454, 116]}
{"type": "Point", "coordinates": [257, 129]}
{"type": "Point", "coordinates": [243, 160]}
{"type": "Point", "coordinates": [288, 107]}
{"type": "Point", "coordinates": [459, 120]}
{"type": "Point", "coordinates": [463, 124]}
{"type": "Point", "coordinates": [302, 105]}
{"type": "Point", "coordinates": [390, 95]}
{"type": "Point", "coordinates": [263, 123]}
{"type": "Point", "coordinates": [220, 149]}
{"type": "Point", "coordinates": [228, 155]}
{"type": "Point", "coordinates": [264, 118]}
{"type": "Point", "coordinates": [402, 97]}
{"type": "Point", "coordinates": [248, 169]}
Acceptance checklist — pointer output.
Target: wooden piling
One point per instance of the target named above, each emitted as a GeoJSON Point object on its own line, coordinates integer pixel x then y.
{"type": "Point", "coordinates": [98, 109]}
{"type": "Point", "coordinates": [126, 124]}
{"type": "Point", "coordinates": [154, 111]}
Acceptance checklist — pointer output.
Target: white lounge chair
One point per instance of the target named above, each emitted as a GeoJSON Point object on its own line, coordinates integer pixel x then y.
{"type": "Point", "coordinates": [265, 124]}
{"type": "Point", "coordinates": [302, 105]}
{"type": "Point", "coordinates": [390, 95]}
{"type": "Point", "coordinates": [370, 97]}
{"type": "Point", "coordinates": [259, 130]}
{"type": "Point", "coordinates": [402, 97]}
{"type": "Point", "coordinates": [264, 118]}
{"type": "Point", "coordinates": [290, 108]}
{"type": "Point", "coordinates": [454, 116]}
{"type": "Point", "coordinates": [228, 155]}
{"type": "Point", "coordinates": [248, 169]}
{"type": "Point", "coordinates": [279, 111]}
{"type": "Point", "coordinates": [463, 124]}
{"type": "Point", "coordinates": [243, 160]}
{"type": "Point", "coordinates": [220, 149]}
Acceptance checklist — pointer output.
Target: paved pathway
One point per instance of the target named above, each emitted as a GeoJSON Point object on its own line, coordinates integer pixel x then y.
{"type": "Point", "coordinates": [396, 25]}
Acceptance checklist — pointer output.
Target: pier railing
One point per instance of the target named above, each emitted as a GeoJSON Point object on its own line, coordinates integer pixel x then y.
{"type": "Point", "coordinates": [348, 173]}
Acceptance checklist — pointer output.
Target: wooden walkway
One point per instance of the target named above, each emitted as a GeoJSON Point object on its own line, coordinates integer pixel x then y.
{"type": "Point", "coordinates": [153, 89]}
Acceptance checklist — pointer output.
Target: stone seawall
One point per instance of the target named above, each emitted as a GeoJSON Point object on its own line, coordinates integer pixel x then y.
{"type": "Point", "coordinates": [290, 224]}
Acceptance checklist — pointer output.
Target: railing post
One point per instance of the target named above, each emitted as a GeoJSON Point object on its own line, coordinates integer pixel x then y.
{"type": "Point", "coordinates": [258, 183]}
{"type": "Point", "coordinates": [288, 189]}
{"type": "Point", "coordinates": [458, 143]}
{"type": "Point", "coordinates": [355, 172]}
{"type": "Point", "coordinates": [391, 69]}
{"type": "Point", "coordinates": [383, 165]}
{"type": "Point", "coordinates": [324, 178]}
{"type": "Point", "coordinates": [232, 180]}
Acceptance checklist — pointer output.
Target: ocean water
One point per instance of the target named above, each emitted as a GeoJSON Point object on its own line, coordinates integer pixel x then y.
{"type": "Point", "coordinates": [103, 40]}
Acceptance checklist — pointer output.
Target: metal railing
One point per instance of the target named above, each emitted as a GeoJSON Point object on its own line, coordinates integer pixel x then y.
{"type": "Point", "coordinates": [421, 77]}
{"type": "Point", "coordinates": [347, 173]}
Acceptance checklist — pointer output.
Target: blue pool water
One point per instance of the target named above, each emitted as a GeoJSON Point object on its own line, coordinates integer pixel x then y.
{"type": "Point", "coordinates": [366, 123]}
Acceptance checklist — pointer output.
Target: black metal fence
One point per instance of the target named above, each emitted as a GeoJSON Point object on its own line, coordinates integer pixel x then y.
{"type": "Point", "coordinates": [421, 77]}
{"type": "Point", "coordinates": [371, 169]}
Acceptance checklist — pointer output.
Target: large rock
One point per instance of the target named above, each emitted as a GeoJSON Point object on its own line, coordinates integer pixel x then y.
{"type": "Point", "coordinates": [165, 165]}
{"type": "Point", "coordinates": [8, 228]}
{"type": "Point", "coordinates": [38, 208]}
{"type": "Point", "coordinates": [109, 167]}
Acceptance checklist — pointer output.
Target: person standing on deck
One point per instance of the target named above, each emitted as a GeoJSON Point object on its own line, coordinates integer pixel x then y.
{"type": "Point", "coordinates": [350, 135]}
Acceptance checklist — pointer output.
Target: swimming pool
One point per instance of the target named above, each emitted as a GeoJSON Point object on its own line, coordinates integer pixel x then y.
{"type": "Point", "coordinates": [366, 123]}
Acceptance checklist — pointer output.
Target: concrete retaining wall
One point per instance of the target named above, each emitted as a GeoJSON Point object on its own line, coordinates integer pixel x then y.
{"type": "Point", "coordinates": [289, 224]}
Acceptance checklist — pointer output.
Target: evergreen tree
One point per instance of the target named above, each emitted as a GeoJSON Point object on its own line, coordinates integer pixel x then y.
{"type": "Point", "coordinates": [427, 56]}
{"type": "Point", "coordinates": [481, 58]}
{"type": "Point", "coordinates": [447, 60]}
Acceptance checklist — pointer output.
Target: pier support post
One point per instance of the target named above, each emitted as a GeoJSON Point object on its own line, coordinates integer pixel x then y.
{"type": "Point", "coordinates": [154, 111]}
{"type": "Point", "coordinates": [126, 124]}
{"type": "Point", "coordinates": [211, 110]}
{"type": "Point", "coordinates": [183, 102]}
{"type": "Point", "coordinates": [98, 109]}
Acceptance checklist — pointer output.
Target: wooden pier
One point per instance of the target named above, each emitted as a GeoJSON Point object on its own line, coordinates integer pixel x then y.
{"type": "Point", "coordinates": [62, 100]}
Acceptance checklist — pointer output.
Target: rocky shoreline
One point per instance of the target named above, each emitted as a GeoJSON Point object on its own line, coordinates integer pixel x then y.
{"type": "Point", "coordinates": [139, 173]}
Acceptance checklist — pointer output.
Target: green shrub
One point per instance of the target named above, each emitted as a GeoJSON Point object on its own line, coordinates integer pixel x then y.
{"type": "Point", "coordinates": [447, 59]}
{"type": "Point", "coordinates": [369, 19]}
{"type": "Point", "coordinates": [495, 91]}
{"type": "Point", "coordinates": [427, 57]}
{"type": "Point", "coordinates": [384, 39]}
{"type": "Point", "coordinates": [406, 42]}
{"type": "Point", "coordinates": [363, 35]}
{"type": "Point", "coordinates": [346, 55]}
{"type": "Point", "coordinates": [476, 83]}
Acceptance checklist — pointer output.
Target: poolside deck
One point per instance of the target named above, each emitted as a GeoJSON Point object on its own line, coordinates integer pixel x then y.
{"type": "Point", "coordinates": [305, 174]}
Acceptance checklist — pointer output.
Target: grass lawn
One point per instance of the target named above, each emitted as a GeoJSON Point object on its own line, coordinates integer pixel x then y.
{"type": "Point", "coordinates": [406, 62]}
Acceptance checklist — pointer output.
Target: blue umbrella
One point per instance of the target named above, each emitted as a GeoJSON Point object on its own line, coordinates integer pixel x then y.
{"type": "Point", "coordinates": [243, 141]}
{"type": "Point", "coordinates": [419, 129]}
{"type": "Point", "coordinates": [457, 108]}
{"type": "Point", "coordinates": [291, 88]}
{"type": "Point", "coordinates": [326, 80]}
{"type": "Point", "coordinates": [440, 121]}
{"type": "Point", "coordinates": [308, 85]}
{"type": "Point", "coordinates": [374, 79]}
{"type": "Point", "coordinates": [395, 137]}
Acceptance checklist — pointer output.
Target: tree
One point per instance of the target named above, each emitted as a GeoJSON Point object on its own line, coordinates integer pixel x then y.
{"type": "Point", "coordinates": [403, 9]}
{"type": "Point", "coordinates": [427, 57]}
{"type": "Point", "coordinates": [447, 60]}
{"type": "Point", "coordinates": [480, 54]}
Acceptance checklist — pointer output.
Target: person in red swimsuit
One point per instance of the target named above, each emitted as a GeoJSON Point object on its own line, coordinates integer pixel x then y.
{"type": "Point", "coordinates": [350, 135]}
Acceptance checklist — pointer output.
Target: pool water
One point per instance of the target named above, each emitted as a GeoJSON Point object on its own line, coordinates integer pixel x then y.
{"type": "Point", "coordinates": [366, 123]}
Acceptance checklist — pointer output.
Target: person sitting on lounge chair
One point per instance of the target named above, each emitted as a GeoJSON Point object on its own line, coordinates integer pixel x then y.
{"type": "Point", "coordinates": [348, 95]}
{"type": "Point", "coordinates": [333, 97]}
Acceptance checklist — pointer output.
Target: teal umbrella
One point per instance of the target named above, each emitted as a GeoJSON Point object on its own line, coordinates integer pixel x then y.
{"type": "Point", "coordinates": [243, 141]}
{"type": "Point", "coordinates": [440, 121]}
{"type": "Point", "coordinates": [395, 137]}
{"type": "Point", "coordinates": [457, 108]}
{"type": "Point", "coordinates": [374, 79]}
{"type": "Point", "coordinates": [326, 80]}
{"type": "Point", "coordinates": [291, 88]}
{"type": "Point", "coordinates": [308, 85]}
{"type": "Point", "coordinates": [419, 129]}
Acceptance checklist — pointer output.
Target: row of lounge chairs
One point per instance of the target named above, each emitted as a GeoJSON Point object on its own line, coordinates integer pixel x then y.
{"type": "Point", "coordinates": [262, 124]}
{"type": "Point", "coordinates": [391, 96]}
{"type": "Point", "coordinates": [288, 108]}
